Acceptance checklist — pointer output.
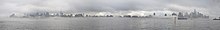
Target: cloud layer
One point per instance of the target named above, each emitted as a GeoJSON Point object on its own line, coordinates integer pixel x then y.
{"type": "Point", "coordinates": [144, 7]}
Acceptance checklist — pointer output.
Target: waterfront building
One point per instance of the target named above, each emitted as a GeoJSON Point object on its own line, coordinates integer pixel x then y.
{"type": "Point", "coordinates": [186, 15]}
{"type": "Point", "coordinates": [174, 14]}
{"type": "Point", "coordinates": [109, 15]}
{"type": "Point", "coordinates": [79, 15]}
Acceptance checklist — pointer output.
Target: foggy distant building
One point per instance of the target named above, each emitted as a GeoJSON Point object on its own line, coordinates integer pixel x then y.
{"type": "Point", "coordinates": [186, 15]}
{"type": "Point", "coordinates": [149, 16]}
{"type": "Point", "coordinates": [196, 14]}
{"type": "Point", "coordinates": [109, 15]}
{"type": "Point", "coordinates": [134, 16]}
{"type": "Point", "coordinates": [174, 14]}
{"type": "Point", "coordinates": [60, 14]}
{"type": "Point", "coordinates": [180, 14]}
{"type": "Point", "coordinates": [127, 16]}
{"type": "Point", "coordinates": [34, 14]}
{"type": "Point", "coordinates": [87, 16]}
{"type": "Point", "coordinates": [67, 15]}
{"type": "Point", "coordinates": [46, 14]}
{"type": "Point", "coordinates": [79, 15]}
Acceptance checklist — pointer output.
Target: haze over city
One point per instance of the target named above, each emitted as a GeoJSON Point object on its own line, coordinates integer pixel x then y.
{"type": "Point", "coordinates": [109, 14]}
{"type": "Point", "coordinates": [134, 7]}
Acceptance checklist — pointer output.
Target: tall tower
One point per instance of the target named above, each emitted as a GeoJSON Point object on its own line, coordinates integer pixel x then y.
{"type": "Point", "coordinates": [195, 14]}
{"type": "Point", "coordinates": [195, 11]}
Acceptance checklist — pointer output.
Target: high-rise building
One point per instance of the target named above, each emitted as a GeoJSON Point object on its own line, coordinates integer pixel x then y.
{"type": "Point", "coordinates": [79, 15]}
{"type": "Point", "coordinates": [61, 13]}
{"type": "Point", "coordinates": [186, 15]}
{"type": "Point", "coordinates": [181, 16]}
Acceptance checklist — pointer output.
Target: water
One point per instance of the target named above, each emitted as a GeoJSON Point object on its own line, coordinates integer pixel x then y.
{"type": "Point", "coordinates": [106, 23]}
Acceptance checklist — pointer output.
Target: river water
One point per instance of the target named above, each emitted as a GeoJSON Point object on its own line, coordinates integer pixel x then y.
{"type": "Point", "coordinates": [106, 23]}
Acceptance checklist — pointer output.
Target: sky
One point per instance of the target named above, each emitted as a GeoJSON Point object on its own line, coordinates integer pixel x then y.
{"type": "Point", "coordinates": [118, 7]}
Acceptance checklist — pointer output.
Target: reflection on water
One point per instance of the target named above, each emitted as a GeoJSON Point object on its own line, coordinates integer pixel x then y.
{"type": "Point", "coordinates": [105, 23]}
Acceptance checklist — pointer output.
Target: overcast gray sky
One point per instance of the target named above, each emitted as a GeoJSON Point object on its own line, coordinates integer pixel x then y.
{"type": "Point", "coordinates": [208, 7]}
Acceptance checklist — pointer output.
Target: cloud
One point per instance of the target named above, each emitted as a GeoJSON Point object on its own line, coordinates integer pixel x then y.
{"type": "Point", "coordinates": [111, 6]}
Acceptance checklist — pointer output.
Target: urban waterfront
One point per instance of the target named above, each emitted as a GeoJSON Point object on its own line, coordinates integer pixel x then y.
{"type": "Point", "coordinates": [109, 15]}
{"type": "Point", "coordinates": [106, 23]}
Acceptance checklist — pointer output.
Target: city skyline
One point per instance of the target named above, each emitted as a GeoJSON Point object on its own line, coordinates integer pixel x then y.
{"type": "Point", "coordinates": [209, 7]}
{"type": "Point", "coordinates": [109, 14]}
{"type": "Point", "coordinates": [193, 14]}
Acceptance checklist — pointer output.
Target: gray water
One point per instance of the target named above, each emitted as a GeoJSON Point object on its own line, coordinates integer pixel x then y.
{"type": "Point", "coordinates": [106, 23]}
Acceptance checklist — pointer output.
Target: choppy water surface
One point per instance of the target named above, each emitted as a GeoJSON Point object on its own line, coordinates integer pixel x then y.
{"type": "Point", "coordinates": [106, 23]}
